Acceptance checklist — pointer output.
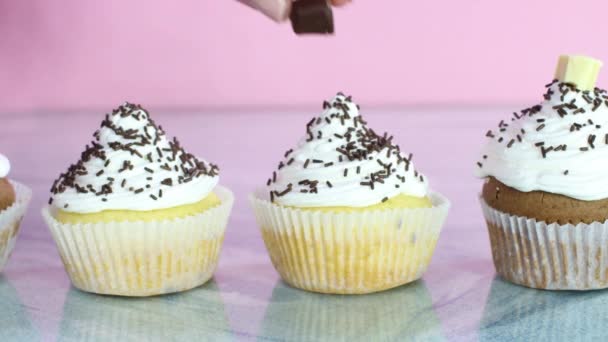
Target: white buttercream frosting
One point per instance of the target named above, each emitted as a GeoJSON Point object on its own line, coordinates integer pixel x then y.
{"type": "Point", "coordinates": [131, 165]}
{"type": "Point", "coordinates": [342, 162]}
{"type": "Point", "coordinates": [5, 166]}
{"type": "Point", "coordinates": [559, 146]}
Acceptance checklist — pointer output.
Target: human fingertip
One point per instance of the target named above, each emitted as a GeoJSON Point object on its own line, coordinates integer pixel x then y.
{"type": "Point", "coordinates": [340, 2]}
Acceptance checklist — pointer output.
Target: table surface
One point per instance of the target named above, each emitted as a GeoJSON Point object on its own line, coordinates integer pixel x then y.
{"type": "Point", "coordinates": [459, 297]}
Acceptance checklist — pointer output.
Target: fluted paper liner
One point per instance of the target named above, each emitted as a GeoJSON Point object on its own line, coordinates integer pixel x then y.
{"type": "Point", "coordinates": [10, 220]}
{"type": "Point", "coordinates": [350, 253]}
{"type": "Point", "coordinates": [143, 258]}
{"type": "Point", "coordinates": [548, 256]}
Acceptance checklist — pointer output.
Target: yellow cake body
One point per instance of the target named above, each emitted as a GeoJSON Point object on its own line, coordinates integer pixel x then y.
{"type": "Point", "coordinates": [132, 253]}
{"type": "Point", "coordinates": [345, 250]}
{"type": "Point", "coordinates": [400, 201]}
{"type": "Point", "coordinates": [133, 215]}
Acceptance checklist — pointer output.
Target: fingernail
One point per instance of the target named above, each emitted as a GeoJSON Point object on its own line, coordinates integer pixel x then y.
{"type": "Point", "coordinates": [276, 9]}
{"type": "Point", "coordinates": [340, 2]}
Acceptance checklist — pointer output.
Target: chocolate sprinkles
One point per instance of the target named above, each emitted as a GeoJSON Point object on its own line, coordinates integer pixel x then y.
{"type": "Point", "coordinates": [184, 165]}
{"type": "Point", "coordinates": [351, 141]}
{"type": "Point", "coordinates": [565, 100]}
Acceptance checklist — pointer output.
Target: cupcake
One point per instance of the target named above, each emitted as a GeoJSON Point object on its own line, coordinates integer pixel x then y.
{"type": "Point", "coordinates": [545, 198]}
{"type": "Point", "coordinates": [14, 199]}
{"type": "Point", "coordinates": [138, 215]}
{"type": "Point", "coordinates": [346, 212]}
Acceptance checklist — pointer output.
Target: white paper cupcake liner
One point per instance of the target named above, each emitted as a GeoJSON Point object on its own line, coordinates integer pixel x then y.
{"type": "Point", "coordinates": [350, 253]}
{"type": "Point", "coordinates": [548, 256]}
{"type": "Point", "coordinates": [10, 219]}
{"type": "Point", "coordinates": [143, 258]}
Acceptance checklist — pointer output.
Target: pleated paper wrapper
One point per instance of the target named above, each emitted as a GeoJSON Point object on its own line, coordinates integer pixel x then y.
{"type": "Point", "coordinates": [143, 258]}
{"type": "Point", "coordinates": [350, 253]}
{"type": "Point", "coordinates": [548, 256]}
{"type": "Point", "coordinates": [10, 220]}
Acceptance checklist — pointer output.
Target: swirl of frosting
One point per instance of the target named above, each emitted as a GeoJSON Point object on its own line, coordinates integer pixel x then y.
{"type": "Point", "coordinates": [559, 146]}
{"type": "Point", "coordinates": [5, 166]}
{"type": "Point", "coordinates": [131, 165]}
{"type": "Point", "coordinates": [342, 162]}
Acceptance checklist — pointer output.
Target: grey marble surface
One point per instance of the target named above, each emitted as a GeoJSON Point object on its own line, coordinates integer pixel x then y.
{"type": "Point", "coordinates": [458, 299]}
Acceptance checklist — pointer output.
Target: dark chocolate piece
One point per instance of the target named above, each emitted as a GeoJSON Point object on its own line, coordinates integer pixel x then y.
{"type": "Point", "coordinates": [312, 16]}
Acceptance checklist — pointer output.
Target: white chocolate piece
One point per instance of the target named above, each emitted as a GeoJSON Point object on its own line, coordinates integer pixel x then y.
{"type": "Point", "coordinates": [581, 71]}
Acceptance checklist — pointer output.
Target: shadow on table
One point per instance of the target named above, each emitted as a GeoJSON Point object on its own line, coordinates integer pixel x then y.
{"type": "Point", "coordinates": [15, 323]}
{"type": "Point", "coordinates": [404, 313]}
{"type": "Point", "coordinates": [193, 315]}
{"type": "Point", "coordinates": [516, 313]}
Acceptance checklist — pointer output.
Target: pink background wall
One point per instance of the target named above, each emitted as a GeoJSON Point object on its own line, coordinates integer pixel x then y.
{"type": "Point", "coordinates": [208, 53]}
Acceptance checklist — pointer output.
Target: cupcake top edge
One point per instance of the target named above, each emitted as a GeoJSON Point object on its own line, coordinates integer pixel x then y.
{"type": "Point", "coordinates": [559, 145]}
{"type": "Point", "coordinates": [132, 165]}
{"type": "Point", "coordinates": [5, 166]}
{"type": "Point", "coordinates": [340, 161]}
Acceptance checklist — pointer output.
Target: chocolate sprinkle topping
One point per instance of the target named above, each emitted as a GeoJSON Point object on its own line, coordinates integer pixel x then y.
{"type": "Point", "coordinates": [185, 165]}
{"type": "Point", "coordinates": [566, 107]}
{"type": "Point", "coordinates": [355, 142]}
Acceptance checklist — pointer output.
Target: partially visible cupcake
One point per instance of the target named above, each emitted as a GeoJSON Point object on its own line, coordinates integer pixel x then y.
{"type": "Point", "coordinates": [138, 215]}
{"type": "Point", "coordinates": [545, 198]}
{"type": "Point", "coordinates": [346, 212]}
{"type": "Point", "coordinates": [14, 199]}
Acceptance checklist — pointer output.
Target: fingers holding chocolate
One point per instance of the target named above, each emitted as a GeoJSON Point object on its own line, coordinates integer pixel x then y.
{"type": "Point", "coordinates": [340, 2]}
{"type": "Point", "coordinates": [277, 10]}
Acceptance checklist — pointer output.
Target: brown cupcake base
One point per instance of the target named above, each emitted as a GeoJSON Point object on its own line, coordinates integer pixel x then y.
{"type": "Point", "coordinates": [535, 254]}
{"type": "Point", "coordinates": [7, 194]}
{"type": "Point", "coordinates": [543, 206]}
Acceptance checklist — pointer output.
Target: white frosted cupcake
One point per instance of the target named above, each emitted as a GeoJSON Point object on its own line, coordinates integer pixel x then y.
{"type": "Point", "coordinates": [545, 199]}
{"type": "Point", "coordinates": [137, 215]}
{"type": "Point", "coordinates": [346, 211]}
{"type": "Point", "coordinates": [14, 199]}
